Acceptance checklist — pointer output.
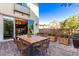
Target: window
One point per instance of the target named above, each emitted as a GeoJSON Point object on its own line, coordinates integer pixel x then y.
{"type": "Point", "coordinates": [22, 4]}
{"type": "Point", "coordinates": [19, 3]}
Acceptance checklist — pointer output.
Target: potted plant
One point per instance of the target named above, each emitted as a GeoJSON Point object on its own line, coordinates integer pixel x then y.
{"type": "Point", "coordinates": [29, 34]}
{"type": "Point", "coordinates": [63, 39]}
{"type": "Point", "coordinates": [52, 37]}
{"type": "Point", "coordinates": [40, 34]}
{"type": "Point", "coordinates": [75, 38]}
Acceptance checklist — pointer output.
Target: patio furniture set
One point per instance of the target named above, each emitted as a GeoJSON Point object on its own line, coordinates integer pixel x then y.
{"type": "Point", "coordinates": [29, 45]}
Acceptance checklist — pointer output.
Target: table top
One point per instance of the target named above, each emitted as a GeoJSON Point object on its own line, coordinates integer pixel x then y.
{"type": "Point", "coordinates": [32, 39]}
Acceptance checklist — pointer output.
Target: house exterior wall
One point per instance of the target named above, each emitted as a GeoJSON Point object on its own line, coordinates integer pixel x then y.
{"type": "Point", "coordinates": [8, 9]}
{"type": "Point", "coordinates": [34, 15]}
{"type": "Point", "coordinates": [1, 28]}
{"type": "Point", "coordinates": [43, 26]}
{"type": "Point", "coordinates": [54, 25]}
{"type": "Point", "coordinates": [36, 22]}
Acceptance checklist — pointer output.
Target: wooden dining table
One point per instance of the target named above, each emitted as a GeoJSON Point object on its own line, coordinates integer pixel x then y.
{"type": "Point", "coordinates": [32, 40]}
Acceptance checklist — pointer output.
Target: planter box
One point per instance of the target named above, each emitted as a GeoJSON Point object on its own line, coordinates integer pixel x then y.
{"type": "Point", "coordinates": [76, 42]}
{"type": "Point", "coordinates": [64, 41]}
{"type": "Point", "coordinates": [52, 38]}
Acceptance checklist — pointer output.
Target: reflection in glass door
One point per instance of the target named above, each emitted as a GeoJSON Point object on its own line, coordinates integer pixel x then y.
{"type": "Point", "coordinates": [8, 27]}
{"type": "Point", "coordinates": [30, 26]}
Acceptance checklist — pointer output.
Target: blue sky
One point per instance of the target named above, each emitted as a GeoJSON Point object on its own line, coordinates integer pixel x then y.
{"type": "Point", "coordinates": [54, 11]}
{"type": "Point", "coordinates": [30, 22]}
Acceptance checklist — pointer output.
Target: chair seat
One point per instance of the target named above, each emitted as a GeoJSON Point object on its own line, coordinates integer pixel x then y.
{"type": "Point", "coordinates": [45, 45]}
{"type": "Point", "coordinates": [21, 46]}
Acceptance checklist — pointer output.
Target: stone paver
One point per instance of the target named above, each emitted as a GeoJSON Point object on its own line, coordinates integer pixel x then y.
{"type": "Point", "coordinates": [55, 49]}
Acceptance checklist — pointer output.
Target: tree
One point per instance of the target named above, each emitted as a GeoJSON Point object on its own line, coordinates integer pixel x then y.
{"type": "Point", "coordinates": [66, 4]}
{"type": "Point", "coordinates": [69, 4]}
{"type": "Point", "coordinates": [72, 23]}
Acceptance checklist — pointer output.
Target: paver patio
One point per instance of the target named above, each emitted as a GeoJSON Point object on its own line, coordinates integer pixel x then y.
{"type": "Point", "coordinates": [55, 49]}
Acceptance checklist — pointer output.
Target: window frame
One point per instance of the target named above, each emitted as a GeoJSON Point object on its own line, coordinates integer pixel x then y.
{"type": "Point", "coordinates": [22, 4]}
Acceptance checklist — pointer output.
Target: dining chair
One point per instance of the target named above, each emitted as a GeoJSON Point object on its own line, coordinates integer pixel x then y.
{"type": "Point", "coordinates": [42, 46]}
{"type": "Point", "coordinates": [22, 46]}
{"type": "Point", "coordinates": [37, 47]}
{"type": "Point", "coordinates": [45, 45]}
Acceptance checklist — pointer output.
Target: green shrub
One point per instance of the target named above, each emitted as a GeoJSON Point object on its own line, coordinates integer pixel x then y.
{"type": "Point", "coordinates": [50, 34]}
{"type": "Point", "coordinates": [64, 36]}
{"type": "Point", "coordinates": [39, 33]}
{"type": "Point", "coordinates": [76, 34]}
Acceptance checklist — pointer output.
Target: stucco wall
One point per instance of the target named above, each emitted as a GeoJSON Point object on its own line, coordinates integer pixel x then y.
{"type": "Point", "coordinates": [8, 9]}
{"type": "Point", "coordinates": [36, 21]}
{"type": "Point", "coordinates": [34, 8]}
{"type": "Point", "coordinates": [1, 28]}
{"type": "Point", "coordinates": [34, 15]}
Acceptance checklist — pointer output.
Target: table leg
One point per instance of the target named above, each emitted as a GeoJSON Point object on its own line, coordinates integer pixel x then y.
{"type": "Point", "coordinates": [31, 51]}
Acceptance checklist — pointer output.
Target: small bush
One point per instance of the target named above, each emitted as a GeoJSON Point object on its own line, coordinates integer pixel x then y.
{"type": "Point", "coordinates": [64, 36]}
{"type": "Point", "coordinates": [39, 33]}
{"type": "Point", "coordinates": [76, 34]}
{"type": "Point", "coordinates": [51, 34]}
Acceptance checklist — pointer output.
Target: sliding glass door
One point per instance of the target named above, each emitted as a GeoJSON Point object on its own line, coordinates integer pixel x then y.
{"type": "Point", "coordinates": [21, 26]}
{"type": "Point", "coordinates": [8, 27]}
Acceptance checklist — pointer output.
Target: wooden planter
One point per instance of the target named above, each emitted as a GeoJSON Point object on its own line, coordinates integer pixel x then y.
{"type": "Point", "coordinates": [52, 38]}
{"type": "Point", "coordinates": [64, 41]}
